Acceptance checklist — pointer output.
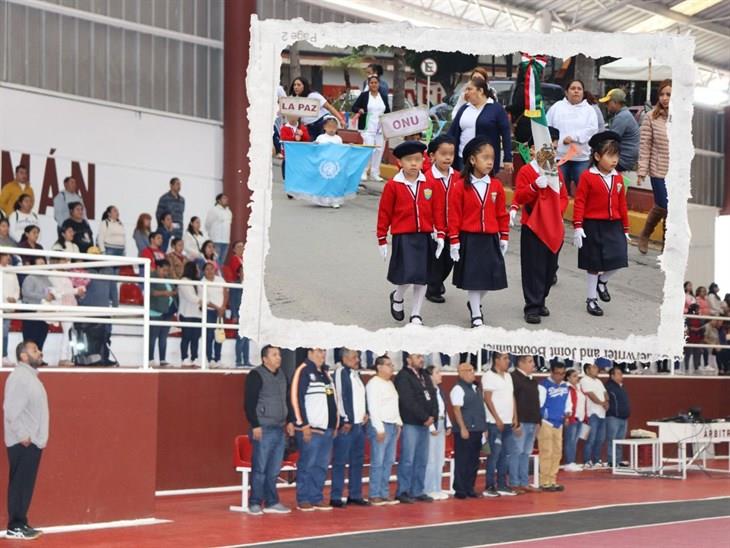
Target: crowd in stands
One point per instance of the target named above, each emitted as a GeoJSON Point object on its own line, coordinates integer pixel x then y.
{"type": "Point", "coordinates": [175, 252]}
{"type": "Point", "coordinates": [706, 303]}
{"type": "Point", "coordinates": [405, 417]}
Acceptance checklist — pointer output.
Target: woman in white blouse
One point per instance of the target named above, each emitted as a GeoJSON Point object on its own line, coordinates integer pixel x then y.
{"type": "Point", "coordinates": [189, 310]}
{"type": "Point", "coordinates": [369, 107]}
{"type": "Point", "coordinates": [218, 225]}
{"type": "Point", "coordinates": [112, 239]}
{"type": "Point", "coordinates": [193, 240]}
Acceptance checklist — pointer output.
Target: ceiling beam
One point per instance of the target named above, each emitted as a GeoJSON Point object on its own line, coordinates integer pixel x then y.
{"type": "Point", "coordinates": [654, 8]}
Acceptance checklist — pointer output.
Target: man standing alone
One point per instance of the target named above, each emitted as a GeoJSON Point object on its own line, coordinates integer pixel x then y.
{"type": "Point", "coordinates": [268, 410]}
{"type": "Point", "coordinates": [26, 434]}
{"type": "Point", "coordinates": [618, 411]}
{"type": "Point", "coordinates": [419, 410]}
{"type": "Point", "coordinates": [555, 406]}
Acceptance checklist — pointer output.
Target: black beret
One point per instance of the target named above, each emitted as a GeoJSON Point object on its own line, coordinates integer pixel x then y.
{"type": "Point", "coordinates": [409, 147]}
{"type": "Point", "coordinates": [472, 146]}
{"type": "Point", "coordinates": [554, 136]}
{"type": "Point", "coordinates": [602, 137]}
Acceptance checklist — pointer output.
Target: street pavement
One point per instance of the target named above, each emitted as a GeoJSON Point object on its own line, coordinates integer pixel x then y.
{"type": "Point", "coordinates": [324, 265]}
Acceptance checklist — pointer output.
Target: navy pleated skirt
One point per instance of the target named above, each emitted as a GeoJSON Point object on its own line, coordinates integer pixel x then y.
{"type": "Point", "coordinates": [410, 259]}
{"type": "Point", "coordinates": [481, 264]}
{"type": "Point", "coordinates": [604, 247]}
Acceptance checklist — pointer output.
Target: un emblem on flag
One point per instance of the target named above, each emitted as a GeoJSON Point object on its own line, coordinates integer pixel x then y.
{"type": "Point", "coordinates": [329, 169]}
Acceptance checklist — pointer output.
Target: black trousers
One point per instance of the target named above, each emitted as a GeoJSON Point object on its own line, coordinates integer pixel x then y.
{"type": "Point", "coordinates": [23, 464]}
{"type": "Point", "coordinates": [539, 266]}
{"type": "Point", "coordinates": [36, 331]}
{"type": "Point", "coordinates": [440, 270]}
{"type": "Point", "coordinates": [466, 461]}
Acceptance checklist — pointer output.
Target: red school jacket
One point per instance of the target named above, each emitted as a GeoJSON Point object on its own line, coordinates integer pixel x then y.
{"type": "Point", "coordinates": [593, 200]}
{"type": "Point", "coordinates": [527, 193]}
{"type": "Point", "coordinates": [441, 192]}
{"type": "Point", "coordinates": [401, 212]}
{"type": "Point", "coordinates": [468, 213]}
{"type": "Point", "coordinates": [286, 133]}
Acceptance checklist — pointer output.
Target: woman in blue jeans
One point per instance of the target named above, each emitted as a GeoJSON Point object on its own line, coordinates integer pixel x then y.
{"type": "Point", "coordinates": [189, 311]}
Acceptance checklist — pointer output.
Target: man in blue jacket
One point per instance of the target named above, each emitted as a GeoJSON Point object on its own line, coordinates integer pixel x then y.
{"type": "Point", "coordinates": [349, 445]}
{"type": "Point", "coordinates": [555, 408]}
{"type": "Point", "coordinates": [618, 411]}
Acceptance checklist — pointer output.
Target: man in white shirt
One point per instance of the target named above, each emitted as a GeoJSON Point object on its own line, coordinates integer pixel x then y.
{"type": "Point", "coordinates": [500, 400]}
{"type": "Point", "coordinates": [596, 406]}
{"type": "Point", "coordinates": [349, 445]}
{"type": "Point", "coordinates": [383, 430]}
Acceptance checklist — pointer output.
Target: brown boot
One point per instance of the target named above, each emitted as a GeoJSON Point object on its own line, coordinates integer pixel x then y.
{"type": "Point", "coordinates": [655, 215]}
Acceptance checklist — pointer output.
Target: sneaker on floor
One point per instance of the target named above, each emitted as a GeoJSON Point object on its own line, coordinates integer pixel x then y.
{"type": "Point", "coordinates": [377, 501]}
{"type": "Point", "coordinates": [588, 465]}
{"type": "Point", "coordinates": [152, 363]}
{"type": "Point", "coordinates": [255, 510]}
{"type": "Point", "coordinates": [506, 492]}
{"type": "Point", "coordinates": [305, 507]}
{"type": "Point", "coordinates": [187, 363]}
{"type": "Point", "coordinates": [572, 467]}
{"type": "Point", "coordinates": [558, 487]}
{"type": "Point", "coordinates": [337, 504]}
{"type": "Point", "coordinates": [358, 502]}
{"type": "Point", "coordinates": [322, 506]}
{"type": "Point", "coordinates": [164, 363]}
{"type": "Point", "coordinates": [424, 498]}
{"type": "Point", "coordinates": [491, 492]}
{"type": "Point", "coordinates": [405, 499]}
{"type": "Point", "coordinates": [23, 533]}
{"type": "Point", "coordinates": [435, 495]}
{"type": "Point", "coordinates": [277, 508]}
{"type": "Point", "coordinates": [392, 502]}
{"type": "Point", "coordinates": [377, 178]}
{"type": "Point", "coordinates": [601, 464]}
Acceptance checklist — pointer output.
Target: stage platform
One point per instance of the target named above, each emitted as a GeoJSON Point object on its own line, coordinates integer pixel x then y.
{"type": "Point", "coordinates": [596, 507]}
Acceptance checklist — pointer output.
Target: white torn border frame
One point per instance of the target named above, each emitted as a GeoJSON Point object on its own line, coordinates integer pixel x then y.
{"type": "Point", "coordinates": [270, 37]}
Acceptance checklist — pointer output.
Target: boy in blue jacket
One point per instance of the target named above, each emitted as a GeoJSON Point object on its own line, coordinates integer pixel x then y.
{"type": "Point", "coordinates": [555, 408]}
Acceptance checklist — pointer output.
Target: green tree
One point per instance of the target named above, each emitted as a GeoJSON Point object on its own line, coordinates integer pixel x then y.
{"type": "Point", "coordinates": [451, 65]}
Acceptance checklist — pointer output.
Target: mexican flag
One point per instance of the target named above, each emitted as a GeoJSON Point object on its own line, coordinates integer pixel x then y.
{"type": "Point", "coordinates": [546, 220]}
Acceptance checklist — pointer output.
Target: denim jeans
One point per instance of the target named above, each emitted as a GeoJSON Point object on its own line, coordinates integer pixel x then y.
{"type": "Point", "coordinates": [6, 333]}
{"type": "Point", "coordinates": [382, 457]}
{"type": "Point", "coordinates": [267, 456]}
{"type": "Point", "coordinates": [234, 301]}
{"type": "Point", "coordinates": [659, 188]}
{"type": "Point", "coordinates": [594, 444]}
{"type": "Point", "coordinates": [499, 444]}
{"type": "Point", "coordinates": [242, 351]}
{"type": "Point", "coordinates": [413, 459]}
{"type": "Point", "coordinates": [435, 465]}
{"type": "Point", "coordinates": [519, 451]}
{"type": "Point", "coordinates": [314, 459]}
{"type": "Point", "coordinates": [212, 348]}
{"type": "Point", "coordinates": [158, 336]}
{"type": "Point", "coordinates": [572, 171]}
{"type": "Point", "coordinates": [190, 339]}
{"type": "Point", "coordinates": [615, 430]}
{"type": "Point", "coordinates": [114, 251]}
{"type": "Point", "coordinates": [221, 249]}
{"type": "Point", "coordinates": [348, 449]}
{"type": "Point", "coordinates": [570, 441]}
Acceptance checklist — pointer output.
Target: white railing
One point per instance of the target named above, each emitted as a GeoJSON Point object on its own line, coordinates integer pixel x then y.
{"type": "Point", "coordinates": [128, 315]}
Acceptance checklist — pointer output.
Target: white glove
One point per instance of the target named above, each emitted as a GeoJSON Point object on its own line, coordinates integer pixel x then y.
{"type": "Point", "coordinates": [383, 251]}
{"type": "Point", "coordinates": [439, 247]}
{"type": "Point", "coordinates": [554, 183]}
{"type": "Point", "coordinates": [578, 235]}
{"type": "Point", "coordinates": [512, 217]}
{"type": "Point", "coordinates": [454, 252]}
{"type": "Point", "coordinates": [541, 181]}
{"type": "Point", "coordinates": [628, 237]}
{"type": "Point", "coordinates": [503, 245]}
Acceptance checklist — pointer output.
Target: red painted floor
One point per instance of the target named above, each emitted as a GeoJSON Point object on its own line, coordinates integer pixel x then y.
{"type": "Point", "coordinates": [713, 532]}
{"type": "Point", "coordinates": [204, 520]}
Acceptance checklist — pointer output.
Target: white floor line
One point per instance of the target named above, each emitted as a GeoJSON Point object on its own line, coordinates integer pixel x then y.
{"type": "Point", "coordinates": [479, 520]}
{"type": "Point", "coordinates": [102, 525]}
{"type": "Point", "coordinates": [198, 491]}
{"type": "Point", "coordinates": [582, 533]}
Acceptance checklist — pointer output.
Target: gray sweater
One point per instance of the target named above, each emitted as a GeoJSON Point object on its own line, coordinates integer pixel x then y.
{"type": "Point", "coordinates": [625, 125]}
{"type": "Point", "coordinates": [25, 407]}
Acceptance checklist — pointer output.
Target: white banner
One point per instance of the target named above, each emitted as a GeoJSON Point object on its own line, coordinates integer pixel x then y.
{"type": "Point", "coordinates": [405, 122]}
{"type": "Point", "coordinates": [298, 106]}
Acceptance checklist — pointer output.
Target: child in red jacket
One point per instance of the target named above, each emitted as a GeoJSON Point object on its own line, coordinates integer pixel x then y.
{"type": "Point", "coordinates": [441, 176]}
{"type": "Point", "coordinates": [543, 202]}
{"type": "Point", "coordinates": [478, 227]}
{"type": "Point", "coordinates": [406, 211]}
{"type": "Point", "coordinates": [601, 219]}
{"type": "Point", "coordinates": [293, 130]}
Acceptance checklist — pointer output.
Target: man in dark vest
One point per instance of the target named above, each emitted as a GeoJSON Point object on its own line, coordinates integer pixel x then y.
{"type": "Point", "coordinates": [418, 410]}
{"type": "Point", "coordinates": [269, 414]}
{"type": "Point", "coordinates": [471, 422]}
{"type": "Point", "coordinates": [527, 402]}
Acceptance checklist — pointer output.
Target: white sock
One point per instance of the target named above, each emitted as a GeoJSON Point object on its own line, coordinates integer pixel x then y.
{"type": "Point", "coordinates": [475, 301]}
{"type": "Point", "coordinates": [419, 294]}
{"type": "Point", "coordinates": [400, 293]}
{"type": "Point", "coordinates": [592, 289]}
{"type": "Point", "coordinates": [603, 278]}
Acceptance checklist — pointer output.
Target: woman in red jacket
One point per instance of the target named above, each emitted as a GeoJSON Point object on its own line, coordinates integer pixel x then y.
{"type": "Point", "coordinates": [478, 227]}
{"type": "Point", "coordinates": [601, 219]}
{"type": "Point", "coordinates": [406, 211]}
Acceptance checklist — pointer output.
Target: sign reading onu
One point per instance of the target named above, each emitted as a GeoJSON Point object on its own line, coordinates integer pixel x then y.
{"type": "Point", "coordinates": [405, 122]}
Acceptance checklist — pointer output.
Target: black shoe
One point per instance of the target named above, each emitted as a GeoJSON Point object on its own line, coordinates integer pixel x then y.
{"type": "Point", "coordinates": [473, 495]}
{"type": "Point", "coordinates": [398, 316]}
{"type": "Point", "coordinates": [460, 496]}
{"type": "Point", "coordinates": [424, 498]}
{"type": "Point", "coordinates": [358, 502]}
{"type": "Point", "coordinates": [603, 294]}
{"type": "Point", "coordinates": [405, 499]}
{"type": "Point", "coordinates": [532, 317]}
{"type": "Point", "coordinates": [435, 298]}
{"type": "Point", "coordinates": [290, 196]}
{"type": "Point", "coordinates": [593, 308]}
{"type": "Point", "coordinates": [22, 533]}
{"type": "Point", "coordinates": [337, 504]}
{"type": "Point", "coordinates": [474, 318]}
{"type": "Point", "coordinates": [544, 311]}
